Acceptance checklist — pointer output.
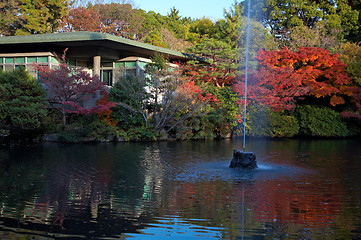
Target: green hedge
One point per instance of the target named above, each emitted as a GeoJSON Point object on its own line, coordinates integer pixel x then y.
{"type": "Point", "coordinates": [320, 121]}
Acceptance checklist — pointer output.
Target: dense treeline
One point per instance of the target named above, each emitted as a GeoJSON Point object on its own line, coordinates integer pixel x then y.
{"type": "Point", "coordinates": [304, 71]}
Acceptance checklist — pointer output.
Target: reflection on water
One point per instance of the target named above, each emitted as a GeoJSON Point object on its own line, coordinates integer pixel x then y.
{"type": "Point", "coordinates": [301, 190]}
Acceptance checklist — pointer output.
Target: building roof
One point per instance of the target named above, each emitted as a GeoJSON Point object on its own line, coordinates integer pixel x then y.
{"type": "Point", "coordinates": [85, 45]}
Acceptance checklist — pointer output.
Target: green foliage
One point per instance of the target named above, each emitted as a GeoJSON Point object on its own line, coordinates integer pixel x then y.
{"type": "Point", "coordinates": [225, 113]}
{"type": "Point", "coordinates": [258, 124]}
{"type": "Point", "coordinates": [40, 16]}
{"type": "Point", "coordinates": [137, 133]}
{"type": "Point", "coordinates": [351, 55]}
{"type": "Point", "coordinates": [130, 92]}
{"type": "Point", "coordinates": [261, 122]}
{"type": "Point", "coordinates": [282, 15]}
{"type": "Point", "coordinates": [9, 16]}
{"type": "Point", "coordinates": [87, 129]}
{"type": "Point", "coordinates": [317, 36]}
{"type": "Point", "coordinates": [320, 121]}
{"type": "Point", "coordinates": [220, 118]}
{"type": "Point", "coordinates": [155, 38]}
{"type": "Point", "coordinates": [283, 125]}
{"type": "Point", "coordinates": [217, 52]}
{"type": "Point", "coordinates": [22, 102]}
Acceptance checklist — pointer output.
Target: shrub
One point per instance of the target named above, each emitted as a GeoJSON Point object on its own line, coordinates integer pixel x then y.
{"type": "Point", "coordinates": [258, 124]}
{"type": "Point", "coordinates": [87, 128]}
{"type": "Point", "coordinates": [283, 125]}
{"type": "Point", "coordinates": [262, 122]}
{"type": "Point", "coordinates": [320, 121]}
{"type": "Point", "coordinates": [22, 103]}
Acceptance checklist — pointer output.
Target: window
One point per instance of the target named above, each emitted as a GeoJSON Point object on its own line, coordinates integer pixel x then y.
{"type": "Point", "coordinates": [9, 60]}
{"type": "Point", "coordinates": [54, 60]}
{"type": "Point", "coordinates": [31, 60]}
{"type": "Point", "coordinates": [42, 59]}
{"type": "Point", "coordinates": [20, 60]}
{"type": "Point", "coordinates": [108, 77]}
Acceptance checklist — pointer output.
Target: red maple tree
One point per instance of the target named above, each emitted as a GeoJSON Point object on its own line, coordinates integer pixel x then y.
{"type": "Point", "coordinates": [71, 89]}
{"type": "Point", "coordinates": [283, 77]}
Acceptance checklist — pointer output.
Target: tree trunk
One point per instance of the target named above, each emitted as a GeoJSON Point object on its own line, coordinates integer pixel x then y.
{"type": "Point", "coordinates": [64, 117]}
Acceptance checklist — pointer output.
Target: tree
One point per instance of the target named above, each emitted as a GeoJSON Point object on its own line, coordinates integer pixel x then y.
{"type": "Point", "coordinates": [351, 55]}
{"type": "Point", "coordinates": [155, 38]}
{"type": "Point", "coordinates": [70, 88]}
{"type": "Point", "coordinates": [232, 27]}
{"type": "Point", "coordinates": [129, 94]}
{"type": "Point", "coordinates": [10, 16]}
{"type": "Point", "coordinates": [283, 78]}
{"type": "Point", "coordinates": [163, 99]}
{"type": "Point", "coordinates": [82, 19]}
{"type": "Point", "coordinates": [202, 28]}
{"type": "Point", "coordinates": [222, 62]}
{"type": "Point", "coordinates": [318, 36]}
{"type": "Point", "coordinates": [40, 16]}
{"type": "Point", "coordinates": [22, 103]}
{"type": "Point", "coordinates": [120, 19]}
{"type": "Point", "coordinates": [282, 16]}
{"type": "Point", "coordinates": [172, 42]}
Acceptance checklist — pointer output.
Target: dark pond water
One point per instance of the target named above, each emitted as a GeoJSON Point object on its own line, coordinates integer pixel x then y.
{"type": "Point", "coordinates": [182, 190]}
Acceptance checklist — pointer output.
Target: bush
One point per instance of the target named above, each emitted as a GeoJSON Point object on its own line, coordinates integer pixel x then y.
{"type": "Point", "coordinates": [87, 128]}
{"type": "Point", "coordinates": [262, 122]}
{"type": "Point", "coordinates": [283, 125]}
{"type": "Point", "coordinates": [258, 123]}
{"type": "Point", "coordinates": [22, 103]}
{"type": "Point", "coordinates": [320, 121]}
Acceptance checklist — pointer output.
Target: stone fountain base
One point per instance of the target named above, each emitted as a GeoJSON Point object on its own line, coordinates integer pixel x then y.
{"type": "Point", "coordinates": [243, 160]}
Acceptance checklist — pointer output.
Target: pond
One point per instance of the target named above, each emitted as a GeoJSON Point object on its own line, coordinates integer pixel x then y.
{"type": "Point", "coordinates": [303, 189]}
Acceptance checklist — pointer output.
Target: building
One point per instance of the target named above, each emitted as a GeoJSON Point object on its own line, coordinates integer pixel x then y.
{"type": "Point", "coordinates": [97, 53]}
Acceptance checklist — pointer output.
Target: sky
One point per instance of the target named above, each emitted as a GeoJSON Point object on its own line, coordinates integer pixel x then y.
{"type": "Point", "coordinates": [212, 9]}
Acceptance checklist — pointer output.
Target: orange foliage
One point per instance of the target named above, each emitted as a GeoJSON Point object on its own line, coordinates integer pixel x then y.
{"type": "Point", "coordinates": [283, 77]}
{"type": "Point", "coordinates": [105, 114]}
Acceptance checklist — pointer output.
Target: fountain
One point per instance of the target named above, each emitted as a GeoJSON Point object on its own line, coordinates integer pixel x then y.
{"type": "Point", "coordinates": [245, 159]}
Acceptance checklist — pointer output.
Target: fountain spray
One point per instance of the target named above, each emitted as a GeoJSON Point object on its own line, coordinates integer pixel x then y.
{"type": "Point", "coordinates": [242, 158]}
{"type": "Point", "coordinates": [248, 32]}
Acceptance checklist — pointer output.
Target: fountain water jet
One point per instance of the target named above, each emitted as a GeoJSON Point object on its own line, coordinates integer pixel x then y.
{"type": "Point", "coordinates": [242, 158]}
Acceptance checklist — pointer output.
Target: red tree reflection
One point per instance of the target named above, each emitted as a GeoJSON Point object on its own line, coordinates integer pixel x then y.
{"type": "Point", "coordinates": [308, 203]}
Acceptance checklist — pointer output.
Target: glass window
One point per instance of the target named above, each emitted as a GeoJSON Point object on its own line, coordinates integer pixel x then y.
{"type": "Point", "coordinates": [130, 64]}
{"type": "Point", "coordinates": [107, 77]}
{"type": "Point", "coordinates": [54, 60]}
{"type": "Point", "coordinates": [42, 59]}
{"type": "Point", "coordinates": [142, 64]}
{"type": "Point", "coordinates": [119, 64]}
{"type": "Point", "coordinates": [20, 60]}
{"type": "Point", "coordinates": [1, 60]}
{"type": "Point", "coordinates": [31, 60]}
{"type": "Point", "coordinates": [9, 60]}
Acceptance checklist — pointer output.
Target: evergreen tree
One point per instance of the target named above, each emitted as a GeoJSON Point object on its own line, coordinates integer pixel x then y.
{"type": "Point", "coordinates": [22, 103]}
{"type": "Point", "coordinates": [40, 16]}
